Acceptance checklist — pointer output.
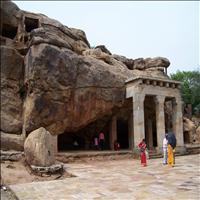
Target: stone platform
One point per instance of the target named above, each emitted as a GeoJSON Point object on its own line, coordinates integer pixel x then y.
{"type": "Point", "coordinates": [79, 156]}
{"type": "Point", "coordinates": [120, 180]}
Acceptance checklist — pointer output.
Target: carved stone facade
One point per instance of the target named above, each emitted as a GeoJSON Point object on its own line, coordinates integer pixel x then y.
{"type": "Point", "coordinates": [161, 90]}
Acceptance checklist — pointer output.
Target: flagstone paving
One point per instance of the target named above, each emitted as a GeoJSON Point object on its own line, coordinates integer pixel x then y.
{"type": "Point", "coordinates": [120, 179]}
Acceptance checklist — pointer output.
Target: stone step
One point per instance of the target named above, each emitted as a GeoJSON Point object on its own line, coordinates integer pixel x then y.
{"type": "Point", "coordinates": [68, 157]}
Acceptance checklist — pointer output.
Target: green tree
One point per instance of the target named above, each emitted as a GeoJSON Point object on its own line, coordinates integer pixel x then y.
{"type": "Point", "coordinates": [190, 88]}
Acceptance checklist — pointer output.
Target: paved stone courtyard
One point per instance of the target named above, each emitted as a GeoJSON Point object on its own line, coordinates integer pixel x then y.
{"type": "Point", "coordinates": [121, 179]}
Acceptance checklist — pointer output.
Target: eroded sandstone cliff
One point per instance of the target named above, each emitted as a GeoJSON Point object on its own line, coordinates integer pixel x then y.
{"type": "Point", "coordinates": [52, 78]}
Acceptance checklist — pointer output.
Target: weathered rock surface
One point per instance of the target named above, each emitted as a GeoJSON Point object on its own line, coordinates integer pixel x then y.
{"type": "Point", "coordinates": [69, 91]}
{"type": "Point", "coordinates": [11, 81]}
{"type": "Point", "coordinates": [9, 13]}
{"type": "Point", "coordinates": [197, 135]}
{"type": "Point", "coordinates": [39, 148]}
{"type": "Point", "coordinates": [103, 48]}
{"type": "Point", "coordinates": [192, 130]}
{"type": "Point", "coordinates": [69, 85]}
{"type": "Point", "coordinates": [11, 141]}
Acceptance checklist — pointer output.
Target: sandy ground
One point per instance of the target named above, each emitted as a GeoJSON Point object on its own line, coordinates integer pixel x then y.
{"type": "Point", "coordinates": [18, 172]}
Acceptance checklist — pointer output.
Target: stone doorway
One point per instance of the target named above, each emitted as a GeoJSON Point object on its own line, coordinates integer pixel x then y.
{"type": "Point", "coordinates": [122, 133]}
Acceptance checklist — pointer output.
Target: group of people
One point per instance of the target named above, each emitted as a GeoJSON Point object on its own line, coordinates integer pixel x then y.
{"type": "Point", "coordinates": [99, 142]}
{"type": "Point", "coordinates": [169, 144]}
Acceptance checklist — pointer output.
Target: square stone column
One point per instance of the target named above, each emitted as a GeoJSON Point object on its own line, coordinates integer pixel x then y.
{"type": "Point", "coordinates": [160, 119]}
{"type": "Point", "coordinates": [149, 134]}
{"type": "Point", "coordinates": [113, 132]}
{"type": "Point", "coordinates": [178, 121]}
{"type": "Point", "coordinates": [138, 118]}
{"type": "Point", "coordinates": [130, 132]}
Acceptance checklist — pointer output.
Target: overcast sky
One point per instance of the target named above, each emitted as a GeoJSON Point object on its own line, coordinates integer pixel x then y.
{"type": "Point", "coordinates": [133, 29]}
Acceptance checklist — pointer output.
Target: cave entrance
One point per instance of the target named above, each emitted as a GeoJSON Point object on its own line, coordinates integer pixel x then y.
{"type": "Point", "coordinates": [70, 141]}
{"type": "Point", "coordinates": [31, 23]}
{"type": "Point", "coordinates": [9, 31]}
{"type": "Point", "coordinates": [84, 138]}
{"type": "Point", "coordinates": [122, 133]}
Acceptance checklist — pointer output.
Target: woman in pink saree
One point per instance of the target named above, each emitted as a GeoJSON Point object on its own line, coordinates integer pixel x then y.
{"type": "Point", "coordinates": [142, 146]}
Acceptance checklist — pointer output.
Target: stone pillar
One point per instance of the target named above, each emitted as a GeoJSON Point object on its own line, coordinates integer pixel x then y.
{"type": "Point", "coordinates": [178, 121]}
{"type": "Point", "coordinates": [160, 120]}
{"type": "Point", "coordinates": [113, 132]}
{"type": "Point", "coordinates": [138, 118]}
{"type": "Point", "coordinates": [130, 132]}
{"type": "Point", "coordinates": [150, 133]}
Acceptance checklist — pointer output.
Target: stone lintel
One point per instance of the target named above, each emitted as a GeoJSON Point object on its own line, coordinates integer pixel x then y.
{"type": "Point", "coordinates": [133, 79]}
{"type": "Point", "coordinates": [153, 81]}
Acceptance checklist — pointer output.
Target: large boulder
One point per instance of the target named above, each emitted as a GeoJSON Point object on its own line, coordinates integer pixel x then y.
{"type": "Point", "coordinates": [157, 63]}
{"type": "Point", "coordinates": [39, 148]}
{"type": "Point", "coordinates": [68, 91]}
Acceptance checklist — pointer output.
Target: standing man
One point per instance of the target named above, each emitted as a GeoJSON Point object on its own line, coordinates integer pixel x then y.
{"type": "Point", "coordinates": [165, 143]}
{"type": "Point", "coordinates": [101, 140]}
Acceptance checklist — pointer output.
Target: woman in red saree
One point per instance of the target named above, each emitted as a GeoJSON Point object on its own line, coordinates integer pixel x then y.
{"type": "Point", "coordinates": [142, 146]}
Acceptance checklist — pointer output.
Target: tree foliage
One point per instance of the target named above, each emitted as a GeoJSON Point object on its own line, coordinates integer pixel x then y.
{"type": "Point", "coordinates": [190, 88]}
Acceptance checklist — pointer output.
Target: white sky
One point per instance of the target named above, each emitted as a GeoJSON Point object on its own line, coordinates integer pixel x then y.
{"type": "Point", "coordinates": [132, 28]}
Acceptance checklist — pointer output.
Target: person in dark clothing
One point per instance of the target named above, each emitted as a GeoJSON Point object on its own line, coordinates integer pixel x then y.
{"type": "Point", "coordinates": [101, 140]}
